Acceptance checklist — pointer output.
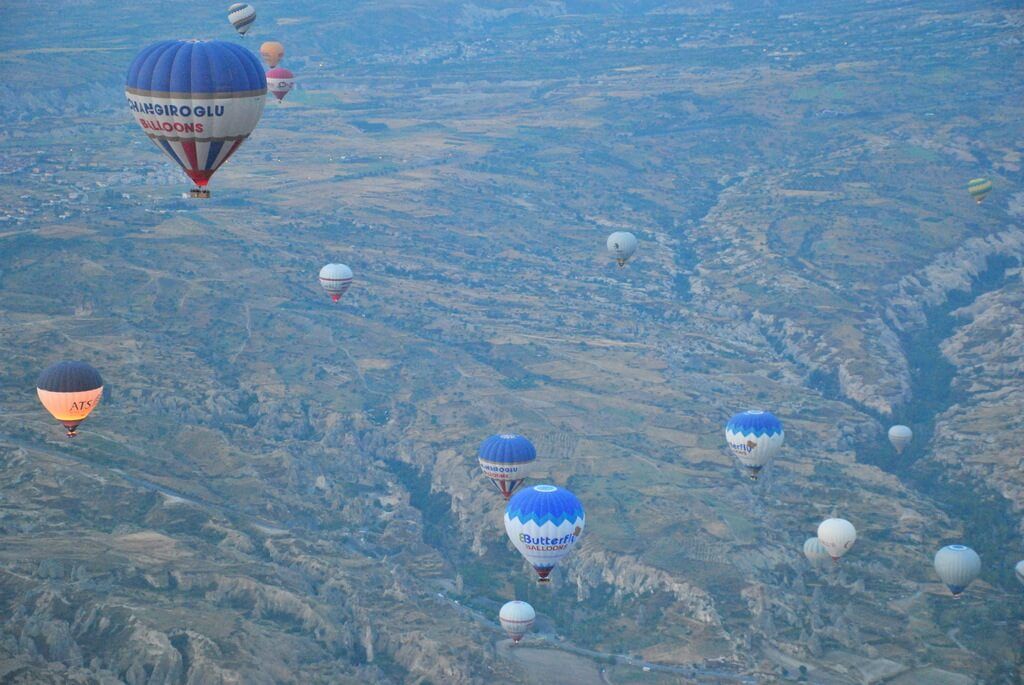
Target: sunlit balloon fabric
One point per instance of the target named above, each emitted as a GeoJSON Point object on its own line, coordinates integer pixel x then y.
{"type": "Point", "coordinates": [900, 436]}
{"type": "Point", "coordinates": [754, 437]}
{"type": "Point", "coordinates": [544, 522]}
{"type": "Point", "coordinates": [280, 81]}
{"type": "Point", "coordinates": [272, 52]}
{"type": "Point", "coordinates": [979, 188]}
{"type": "Point", "coordinates": [197, 100]}
{"type": "Point", "coordinates": [957, 566]}
{"type": "Point", "coordinates": [516, 619]}
{"type": "Point", "coordinates": [1018, 571]}
{"type": "Point", "coordinates": [70, 391]}
{"type": "Point", "coordinates": [837, 536]}
{"type": "Point", "coordinates": [621, 245]}
{"type": "Point", "coordinates": [241, 15]}
{"type": "Point", "coordinates": [335, 279]}
{"type": "Point", "coordinates": [504, 460]}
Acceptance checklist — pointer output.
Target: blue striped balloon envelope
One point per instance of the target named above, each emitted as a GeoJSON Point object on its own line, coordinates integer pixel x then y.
{"type": "Point", "coordinates": [755, 437]}
{"type": "Point", "coordinates": [544, 522]}
{"type": "Point", "coordinates": [504, 459]}
{"type": "Point", "coordinates": [197, 100]}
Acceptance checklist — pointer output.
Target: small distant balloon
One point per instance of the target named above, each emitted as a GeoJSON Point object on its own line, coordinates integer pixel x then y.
{"type": "Point", "coordinates": [957, 566]}
{"type": "Point", "coordinates": [242, 15]}
{"type": "Point", "coordinates": [900, 436]}
{"type": "Point", "coordinates": [979, 188]}
{"type": "Point", "coordinates": [544, 522]}
{"type": "Point", "coordinates": [280, 82]}
{"type": "Point", "coordinates": [837, 536]}
{"type": "Point", "coordinates": [335, 280]}
{"type": "Point", "coordinates": [621, 246]}
{"type": "Point", "coordinates": [70, 391]}
{"type": "Point", "coordinates": [1018, 571]}
{"type": "Point", "coordinates": [516, 618]}
{"type": "Point", "coordinates": [504, 459]}
{"type": "Point", "coordinates": [815, 551]}
{"type": "Point", "coordinates": [272, 52]}
{"type": "Point", "coordinates": [755, 437]}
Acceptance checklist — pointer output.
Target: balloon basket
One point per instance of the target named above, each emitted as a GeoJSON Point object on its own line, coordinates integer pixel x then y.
{"type": "Point", "coordinates": [199, 194]}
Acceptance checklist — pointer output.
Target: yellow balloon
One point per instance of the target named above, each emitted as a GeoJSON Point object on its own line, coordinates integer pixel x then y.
{"type": "Point", "coordinates": [271, 52]}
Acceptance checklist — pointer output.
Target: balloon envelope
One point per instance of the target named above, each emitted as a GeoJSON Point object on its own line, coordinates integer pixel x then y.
{"type": "Point", "coordinates": [1018, 571]}
{"type": "Point", "coordinates": [544, 522]}
{"type": "Point", "coordinates": [335, 280]}
{"type": "Point", "coordinates": [815, 551]}
{"type": "Point", "coordinates": [241, 15]}
{"type": "Point", "coordinates": [70, 391]}
{"type": "Point", "coordinates": [755, 437]}
{"type": "Point", "coordinates": [621, 246]}
{"type": "Point", "coordinates": [957, 566]}
{"type": "Point", "coordinates": [272, 52]}
{"type": "Point", "coordinates": [516, 618]}
{"type": "Point", "coordinates": [280, 81]}
{"type": "Point", "coordinates": [504, 459]}
{"type": "Point", "coordinates": [900, 437]}
{"type": "Point", "coordinates": [837, 536]}
{"type": "Point", "coordinates": [979, 188]}
{"type": "Point", "coordinates": [197, 101]}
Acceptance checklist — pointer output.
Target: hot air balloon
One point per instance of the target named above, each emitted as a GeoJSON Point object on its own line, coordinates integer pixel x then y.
{"type": "Point", "coordinates": [957, 567]}
{"type": "Point", "coordinates": [335, 280]}
{"type": "Point", "coordinates": [837, 536]}
{"type": "Point", "coordinates": [272, 52]}
{"type": "Point", "coordinates": [755, 437]}
{"type": "Point", "coordinates": [242, 15]}
{"type": "Point", "coordinates": [900, 437]}
{"type": "Point", "coordinates": [516, 618]}
{"type": "Point", "coordinates": [70, 391]}
{"type": "Point", "coordinates": [504, 460]}
{"type": "Point", "coordinates": [1018, 571]}
{"type": "Point", "coordinates": [979, 188]}
{"type": "Point", "coordinates": [622, 245]}
{"type": "Point", "coordinates": [279, 82]}
{"type": "Point", "coordinates": [815, 551]}
{"type": "Point", "coordinates": [197, 100]}
{"type": "Point", "coordinates": [544, 522]}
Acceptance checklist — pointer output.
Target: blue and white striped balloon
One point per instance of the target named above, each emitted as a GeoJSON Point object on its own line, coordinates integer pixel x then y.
{"type": "Point", "coordinates": [504, 459]}
{"type": "Point", "coordinates": [544, 522]}
{"type": "Point", "coordinates": [755, 437]}
{"type": "Point", "coordinates": [242, 15]}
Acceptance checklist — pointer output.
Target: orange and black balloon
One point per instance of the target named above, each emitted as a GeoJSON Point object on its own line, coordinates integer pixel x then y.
{"type": "Point", "coordinates": [70, 391]}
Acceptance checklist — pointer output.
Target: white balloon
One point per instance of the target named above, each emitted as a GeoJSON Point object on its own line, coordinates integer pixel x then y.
{"type": "Point", "coordinates": [900, 437]}
{"type": "Point", "coordinates": [1018, 571]}
{"type": "Point", "coordinates": [516, 618]}
{"type": "Point", "coordinates": [621, 245]}
{"type": "Point", "coordinates": [335, 280]}
{"type": "Point", "coordinates": [957, 566]}
{"type": "Point", "coordinates": [837, 536]}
